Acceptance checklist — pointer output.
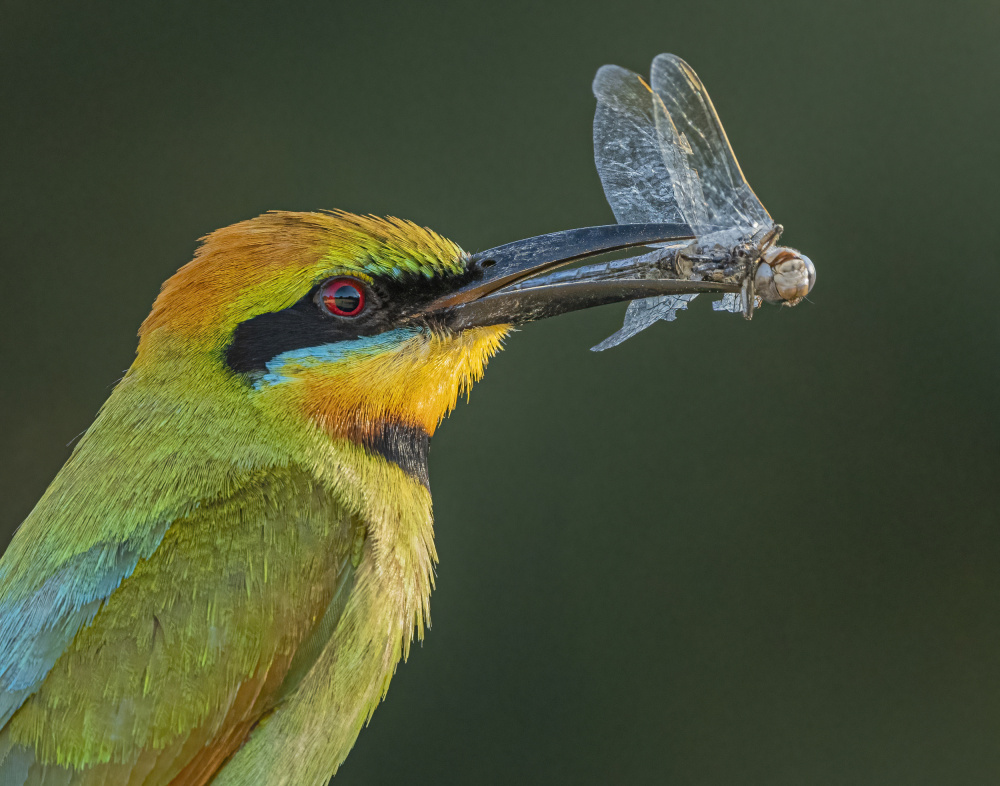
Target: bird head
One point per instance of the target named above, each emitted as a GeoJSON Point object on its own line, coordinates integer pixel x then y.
{"type": "Point", "coordinates": [365, 327]}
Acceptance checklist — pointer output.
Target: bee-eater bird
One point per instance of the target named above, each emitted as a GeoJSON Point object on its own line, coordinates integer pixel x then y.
{"type": "Point", "coordinates": [219, 583]}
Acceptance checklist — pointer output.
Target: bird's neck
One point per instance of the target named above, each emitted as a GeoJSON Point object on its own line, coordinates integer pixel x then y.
{"type": "Point", "coordinates": [403, 445]}
{"type": "Point", "coordinates": [223, 433]}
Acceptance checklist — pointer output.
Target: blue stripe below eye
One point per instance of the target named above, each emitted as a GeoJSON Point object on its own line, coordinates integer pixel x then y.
{"type": "Point", "coordinates": [336, 352]}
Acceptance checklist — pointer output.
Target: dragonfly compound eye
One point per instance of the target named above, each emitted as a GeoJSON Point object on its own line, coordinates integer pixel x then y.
{"type": "Point", "coordinates": [784, 276]}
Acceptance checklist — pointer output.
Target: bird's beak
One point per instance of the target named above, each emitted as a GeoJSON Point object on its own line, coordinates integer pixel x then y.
{"type": "Point", "coordinates": [508, 285]}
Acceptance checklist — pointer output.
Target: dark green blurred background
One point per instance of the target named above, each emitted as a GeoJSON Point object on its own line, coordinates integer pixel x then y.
{"type": "Point", "coordinates": [723, 553]}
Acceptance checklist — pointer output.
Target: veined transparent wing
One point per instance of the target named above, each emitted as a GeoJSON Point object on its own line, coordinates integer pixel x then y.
{"type": "Point", "coordinates": [662, 154]}
{"type": "Point", "coordinates": [628, 153]}
{"type": "Point", "coordinates": [643, 313]}
{"type": "Point", "coordinates": [694, 143]}
{"type": "Point", "coordinates": [638, 185]}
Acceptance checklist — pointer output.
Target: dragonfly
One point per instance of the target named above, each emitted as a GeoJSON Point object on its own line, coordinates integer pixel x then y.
{"type": "Point", "coordinates": [663, 155]}
{"type": "Point", "coordinates": [674, 185]}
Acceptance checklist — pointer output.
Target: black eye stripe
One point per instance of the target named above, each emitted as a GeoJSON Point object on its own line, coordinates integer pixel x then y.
{"type": "Point", "coordinates": [304, 324]}
{"type": "Point", "coordinates": [388, 302]}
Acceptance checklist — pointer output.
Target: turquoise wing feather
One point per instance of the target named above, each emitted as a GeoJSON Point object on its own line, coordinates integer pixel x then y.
{"type": "Point", "coordinates": [39, 619]}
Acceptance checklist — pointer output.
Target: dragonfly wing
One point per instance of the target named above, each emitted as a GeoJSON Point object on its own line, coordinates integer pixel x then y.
{"type": "Point", "coordinates": [628, 153]}
{"type": "Point", "coordinates": [695, 144]}
{"type": "Point", "coordinates": [637, 182]}
{"type": "Point", "coordinates": [732, 302]}
{"type": "Point", "coordinates": [643, 313]}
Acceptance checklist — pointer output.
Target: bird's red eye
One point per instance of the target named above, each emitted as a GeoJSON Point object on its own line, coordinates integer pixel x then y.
{"type": "Point", "coordinates": [344, 297]}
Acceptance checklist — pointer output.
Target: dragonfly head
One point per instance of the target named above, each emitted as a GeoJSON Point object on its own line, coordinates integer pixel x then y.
{"type": "Point", "coordinates": [784, 276]}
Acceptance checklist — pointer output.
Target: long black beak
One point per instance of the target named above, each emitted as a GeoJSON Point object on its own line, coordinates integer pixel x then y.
{"type": "Point", "coordinates": [506, 284]}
